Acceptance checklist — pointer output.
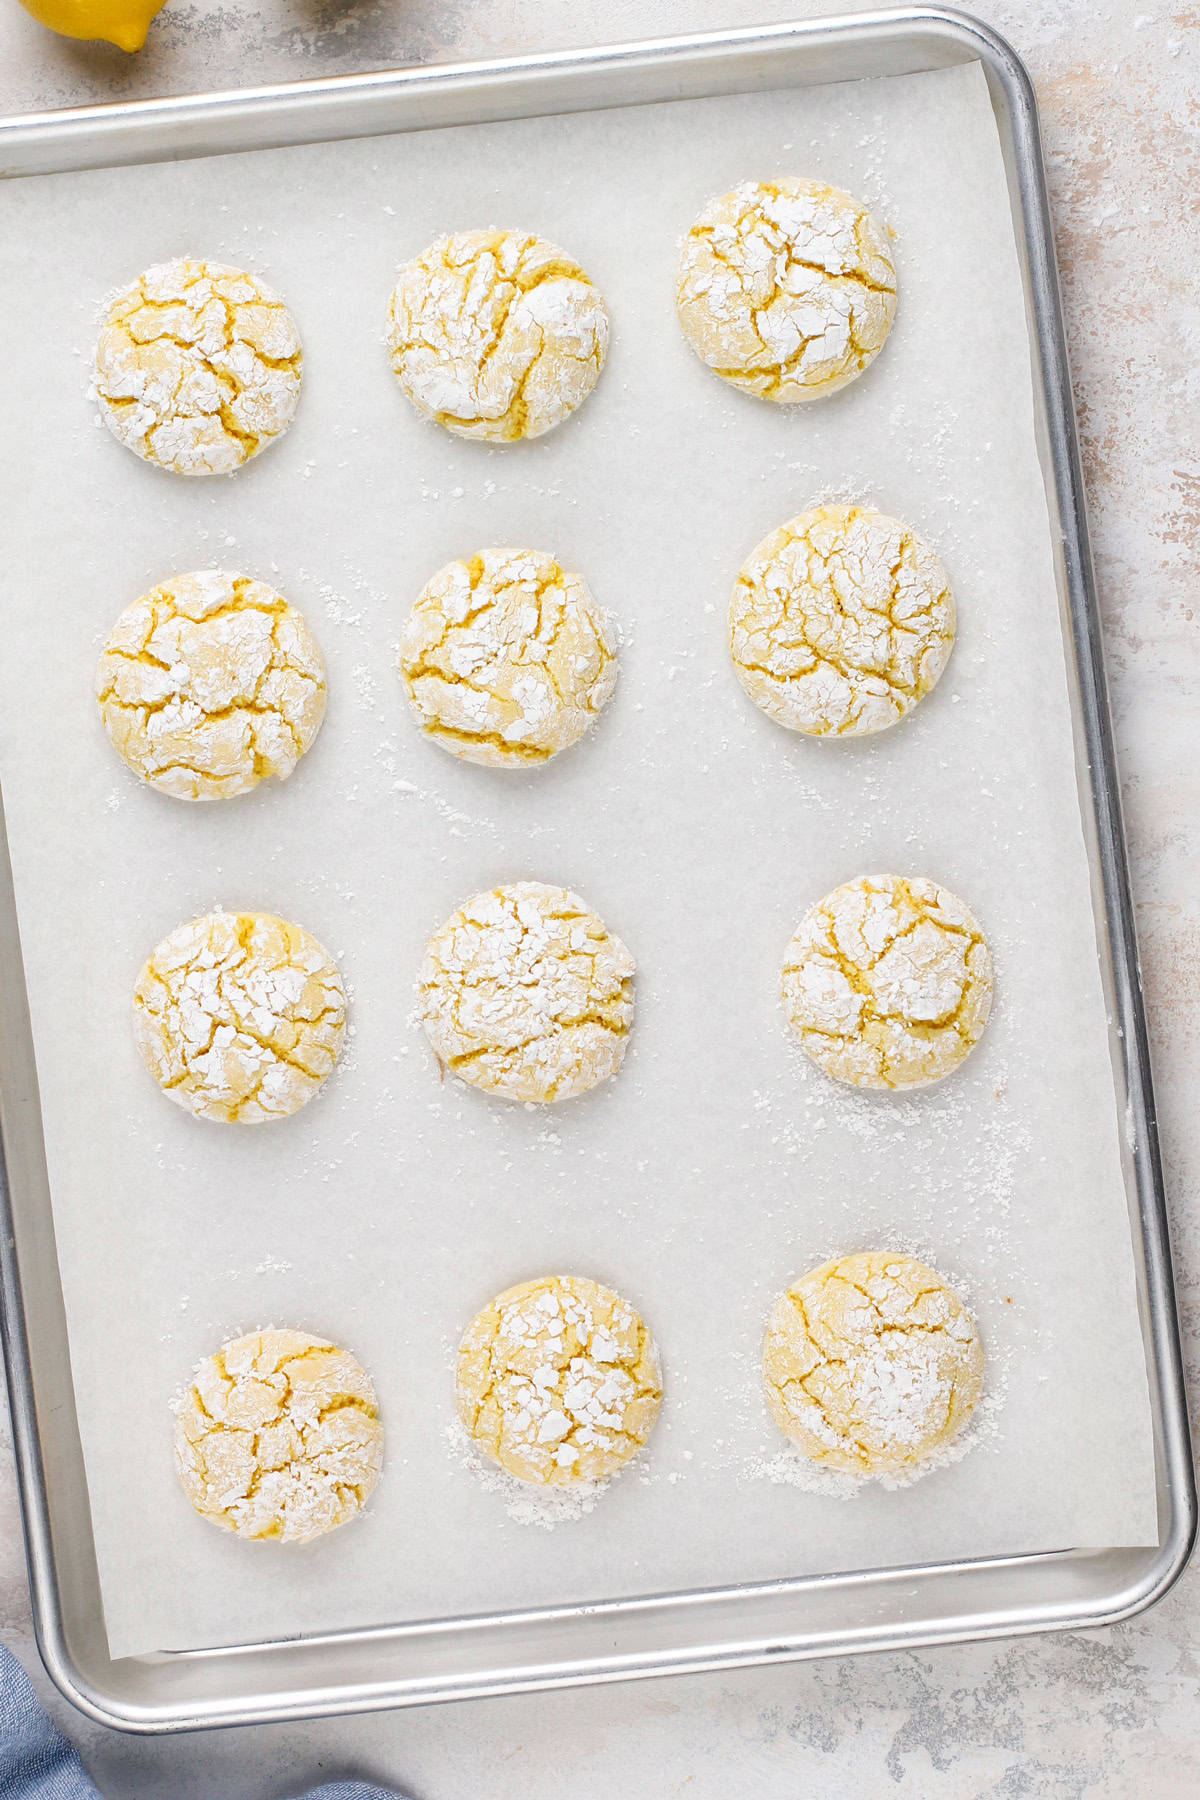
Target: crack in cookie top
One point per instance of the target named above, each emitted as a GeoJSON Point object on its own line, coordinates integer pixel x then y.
{"type": "Point", "coordinates": [198, 366]}
{"type": "Point", "coordinates": [887, 982]}
{"type": "Point", "coordinates": [559, 1381]}
{"type": "Point", "coordinates": [496, 334]}
{"type": "Point", "coordinates": [210, 683]}
{"type": "Point", "coordinates": [840, 622]}
{"type": "Point", "coordinates": [871, 1363]}
{"type": "Point", "coordinates": [507, 659]}
{"type": "Point", "coordinates": [239, 1016]}
{"type": "Point", "coordinates": [279, 1437]}
{"type": "Point", "coordinates": [526, 994]}
{"type": "Point", "coordinates": [786, 288]}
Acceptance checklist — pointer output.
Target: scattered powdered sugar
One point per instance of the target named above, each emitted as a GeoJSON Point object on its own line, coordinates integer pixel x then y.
{"type": "Point", "coordinates": [525, 1503]}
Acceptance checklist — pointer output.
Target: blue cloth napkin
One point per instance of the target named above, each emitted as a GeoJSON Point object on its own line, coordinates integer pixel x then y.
{"type": "Point", "coordinates": [38, 1763]}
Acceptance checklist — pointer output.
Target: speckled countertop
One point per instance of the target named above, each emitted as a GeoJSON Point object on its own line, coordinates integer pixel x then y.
{"type": "Point", "coordinates": [1110, 1713]}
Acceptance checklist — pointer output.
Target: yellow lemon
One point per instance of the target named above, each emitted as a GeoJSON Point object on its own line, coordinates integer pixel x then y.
{"type": "Point", "coordinates": [122, 22]}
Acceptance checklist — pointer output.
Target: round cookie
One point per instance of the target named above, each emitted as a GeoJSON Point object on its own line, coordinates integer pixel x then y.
{"type": "Point", "coordinates": [887, 982]}
{"type": "Point", "coordinates": [871, 1363]}
{"type": "Point", "coordinates": [786, 288]}
{"type": "Point", "coordinates": [279, 1437]}
{"type": "Point", "coordinates": [559, 1381]}
{"type": "Point", "coordinates": [239, 1016]}
{"type": "Point", "coordinates": [198, 366]}
{"type": "Point", "coordinates": [507, 659]}
{"type": "Point", "coordinates": [496, 334]}
{"type": "Point", "coordinates": [524, 993]}
{"type": "Point", "coordinates": [210, 683]}
{"type": "Point", "coordinates": [840, 622]}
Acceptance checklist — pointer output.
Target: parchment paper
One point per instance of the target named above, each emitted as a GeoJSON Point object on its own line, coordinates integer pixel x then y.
{"type": "Point", "coordinates": [719, 1164]}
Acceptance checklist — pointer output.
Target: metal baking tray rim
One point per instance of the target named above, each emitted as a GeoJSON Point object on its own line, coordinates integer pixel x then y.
{"type": "Point", "coordinates": [905, 1607]}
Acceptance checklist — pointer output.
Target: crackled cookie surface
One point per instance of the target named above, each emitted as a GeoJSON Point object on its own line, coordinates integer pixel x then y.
{"type": "Point", "coordinates": [507, 659]}
{"type": "Point", "coordinates": [871, 1363]}
{"type": "Point", "coordinates": [496, 334]}
{"type": "Point", "coordinates": [279, 1437]}
{"type": "Point", "coordinates": [887, 982]}
{"type": "Point", "coordinates": [198, 366]}
{"type": "Point", "coordinates": [840, 622]}
{"type": "Point", "coordinates": [786, 288]}
{"type": "Point", "coordinates": [209, 683]}
{"type": "Point", "coordinates": [526, 994]}
{"type": "Point", "coordinates": [239, 1016]}
{"type": "Point", "coordinates": [559, 1381]}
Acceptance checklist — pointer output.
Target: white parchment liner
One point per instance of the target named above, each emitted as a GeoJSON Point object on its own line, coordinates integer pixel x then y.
{"type": "Point", "coordinates": [719, 1164]}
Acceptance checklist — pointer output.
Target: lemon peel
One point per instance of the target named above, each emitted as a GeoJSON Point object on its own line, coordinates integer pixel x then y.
{"type": "Point", "coordinates": [120, 22]}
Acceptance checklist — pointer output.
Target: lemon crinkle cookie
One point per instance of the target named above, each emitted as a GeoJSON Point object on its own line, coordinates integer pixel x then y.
{"type": "Point", "coordinates": [198, 366]}
{"type": "Point", "coordinates": [209, 683]}
{"type": "Point", "coordinates": [526, 994]}
{"type": "Point", "coordinates": [496, 334]}
{"type": "Point", "coordinates": [507, 659]}
{"type": "Point", "coordinates": [559, 1381]}
{"type": "Point", "coordinates": [871, 1363]}
{"type": "Point", "coordinates": [887, 982]}
{"type": "Point", "coordinates": [840, 622]}
{"type": "Point", "coordinates": [786, 288]}
{"type": "Point", "coordinates": [239, 1016]}
{"type": "Point", "coordinates": [279, 1437]}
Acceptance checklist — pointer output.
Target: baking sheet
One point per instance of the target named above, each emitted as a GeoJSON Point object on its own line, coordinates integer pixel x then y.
{"type": "Point", "coordinates": [719, 1164]}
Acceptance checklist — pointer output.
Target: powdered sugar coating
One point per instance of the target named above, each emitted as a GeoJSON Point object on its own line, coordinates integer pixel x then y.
{"type": "Point", "coordinates": [559, 1381]}
{"type": "Point", "coordinates": [526, 994]}
{"type": "Point", "coordinates": [786, 288]}
{"type": "Point", "coordinates": [887, 982]}
{"type": "Point", "coordinates": [840, 622]}
{"type": "Point", "coordinates": [507, 659]}
{"type": "Point", "coordinates": [198, 366]}
{"type": "Point", "coordinates": [239, 1016]}
{"type": "Point", "coordinates": [871, 1363]}
{"type": "Point", "coordinates": [279, 1437]}
{"type": "Point", "coordinates": [210, 683]}
{"type": "Point", "coordinates": [496, 334]}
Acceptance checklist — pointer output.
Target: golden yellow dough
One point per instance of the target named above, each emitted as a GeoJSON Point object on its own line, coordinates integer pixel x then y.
{"type": "Point", "coordinates": [525, 994]}
{"type": "Point", "coordinates": [840, 622]}
{"type": "Point", "coordinates": [871, 1363]}
{"type": "Point", "coordinates": [887, 982]}
{"type": "Point", "coordinates": [496, 334]}
{"type": "Point", "coordinates": [239, 1016]}
{"type": "Point", "coordinates": [279, 1437]}
{"type": "Point", "coordinates": [507, 659]}
{"type": "Point", "coordinates": [786, 288]}
{"type": "Point", "coordinates": [198, 366]}
{"type": "Point", "coordinates": [559, 1381]}
{"type": "Point", "coordinates": [210, 683]}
